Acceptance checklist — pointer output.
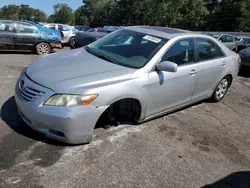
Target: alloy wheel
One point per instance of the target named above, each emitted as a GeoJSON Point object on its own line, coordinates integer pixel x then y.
{"type": "Point", "coordinates": [222, 89]}
{"type": "Point", "coordinates": [44, 49]}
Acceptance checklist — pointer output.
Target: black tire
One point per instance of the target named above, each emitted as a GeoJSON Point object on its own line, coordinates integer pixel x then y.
{"type": "Point", "coordinates": [72, 42]}
{"type": "Point", "coordinates": [43, 48]}
{"type": "Point", "coordinates": [221, 89]}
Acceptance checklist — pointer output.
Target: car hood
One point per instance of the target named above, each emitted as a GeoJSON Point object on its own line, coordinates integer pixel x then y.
{"type": "Point", "coordinates": [75, 71]}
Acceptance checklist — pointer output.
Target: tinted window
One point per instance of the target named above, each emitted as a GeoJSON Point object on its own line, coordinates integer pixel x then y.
{"type": "Point", "coordinates": [25, 28]}
{"type": "Point", "coordinates": [246, 41]}
{"type": "Point", "coordinates": [60, 27]}
{"type": "Point", "coordinates": [182, 52]}
{"type": "Point", "coordinates": [207, 49]}
{"type": "Point", "coordinates": [6, 26]}
{"type": "Point", "coordinates": [237, 38]}
{"type": "Point", "coordinates": [223, 38]}
{"type": "Point", "coordinates": [229, 38]}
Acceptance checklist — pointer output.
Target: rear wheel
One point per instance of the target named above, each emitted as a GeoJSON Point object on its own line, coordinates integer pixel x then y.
{"type": "Point", "coordinates": [221, 89]}
{"type": "Point", "coordinates": [43, 48]}
{"type": "Point", "coordinates": [72, 42]}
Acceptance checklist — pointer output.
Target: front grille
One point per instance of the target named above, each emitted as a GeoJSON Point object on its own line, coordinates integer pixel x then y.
{"type": "Point", "coordinates": [28, 93]}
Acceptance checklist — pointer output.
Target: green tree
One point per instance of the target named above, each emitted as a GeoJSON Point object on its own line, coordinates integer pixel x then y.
{"type": "Point", "coordinates": [9, 12]}
{"type": "Point", "coordinates": [63, 14]}
{"type": "Point", "coordinates": [23, 12]}
{"type": "Point", "coordinates": [81, 16]}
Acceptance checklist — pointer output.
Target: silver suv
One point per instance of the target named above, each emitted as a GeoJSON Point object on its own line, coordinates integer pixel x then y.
{"type": "Point", "coordinates": [131, 75]}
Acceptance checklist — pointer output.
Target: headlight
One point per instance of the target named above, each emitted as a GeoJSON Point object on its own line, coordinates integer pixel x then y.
{"type": "Point", "coordinates": [70, 100]}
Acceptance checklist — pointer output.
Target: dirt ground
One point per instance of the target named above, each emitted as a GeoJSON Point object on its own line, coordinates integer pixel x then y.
{"type": "Point", "coordinates": [207, 144]}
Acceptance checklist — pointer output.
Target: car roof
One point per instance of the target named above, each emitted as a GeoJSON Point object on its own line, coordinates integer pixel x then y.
{"type": "Point", "coordinates": [164, 32]}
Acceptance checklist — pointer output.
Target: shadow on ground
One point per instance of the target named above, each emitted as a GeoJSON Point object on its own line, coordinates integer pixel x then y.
{"type": "Point", "coordinates": [244, 73]}
{"type": "Point", "coordinates": [10, 116]}
{"type": "Point", "coordinates": [235, 180]}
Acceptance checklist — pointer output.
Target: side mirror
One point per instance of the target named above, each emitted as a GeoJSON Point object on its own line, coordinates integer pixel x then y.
{"type": "Point", "coordinates": [167, 66]}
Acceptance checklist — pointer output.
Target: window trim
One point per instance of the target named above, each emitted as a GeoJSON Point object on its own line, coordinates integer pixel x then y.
{"type": "Point", "coordinates": [197, 54]}
{"type": "Point", "coordinates": [184, 38]}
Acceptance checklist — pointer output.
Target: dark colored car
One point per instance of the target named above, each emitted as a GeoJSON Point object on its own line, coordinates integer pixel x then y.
{"type": "Point", "coordinates": [101, 30]}
{"type": "Point", "coordinates": [82, 27]}
{"type": "Point", "coordinates": [85, 38]}
{"type": "Point", "coordinates": [245, 58]}
{"type": "Point", "coordinates": [28, 36]}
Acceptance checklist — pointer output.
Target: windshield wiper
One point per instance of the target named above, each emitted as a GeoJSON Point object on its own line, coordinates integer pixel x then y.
{"type": "Point", "coordinates": [101, 56]}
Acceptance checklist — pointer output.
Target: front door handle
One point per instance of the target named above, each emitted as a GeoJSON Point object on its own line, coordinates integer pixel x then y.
{"type": "Point", "coordinates": [192, 72]}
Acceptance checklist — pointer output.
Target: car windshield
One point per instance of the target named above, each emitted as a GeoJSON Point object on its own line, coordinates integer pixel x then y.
{"type": "Point", "coordinates": [127, 48]}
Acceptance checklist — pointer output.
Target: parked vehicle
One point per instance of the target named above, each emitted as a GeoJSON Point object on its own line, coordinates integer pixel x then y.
{"type": "Point", "coordinates": [228, 40]}
{"type": "Point", "coordinates": [242, 44]}
{"type": "Point", "coordinates": [82, 27]}
{"type": "Point", "coordinates": [69, 32]}
{"type": "Point", "coordinates": [28, 36]}
{"type": "Point", "coordinates": [85, 38]}
{"type": "Point", "coordinates": [111, 28]}
{"type": "Point", "coordinates": [102, 30]}
{"type": "Point", "coordinates": [245, 58]}
{"type": "Point", "coordinates": [150, 72]}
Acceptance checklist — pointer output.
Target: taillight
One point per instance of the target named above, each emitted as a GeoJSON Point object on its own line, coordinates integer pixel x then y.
{"type": "Point", "coordinates": [236, 43]}
{"type": "Point", "coordinates": [239, 60]}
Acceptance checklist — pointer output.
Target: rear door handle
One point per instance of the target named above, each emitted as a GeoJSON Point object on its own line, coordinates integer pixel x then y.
{"type": "Point", "coordinates": [192, 72]}
{"type": "Point", "coordinates": [224, 64]}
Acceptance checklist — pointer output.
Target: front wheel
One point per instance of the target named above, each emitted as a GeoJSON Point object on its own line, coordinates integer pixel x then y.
{"type": "Point", "coordinates": [221, 89]}
{"type": "Point", "coordinates": [43, 48]}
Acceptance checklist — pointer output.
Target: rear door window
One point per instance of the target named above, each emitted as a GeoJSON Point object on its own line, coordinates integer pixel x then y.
{"type": "Point", "coordinates": [22, 27]}
{"type": "Point", "coordinates": [6, 26]}
{"type": "Point", "coordinates": [182, 52]}
{"type": "Point", "coordinates": [208, 49]}
{"type": "Point", "coordinates": [229, 38]}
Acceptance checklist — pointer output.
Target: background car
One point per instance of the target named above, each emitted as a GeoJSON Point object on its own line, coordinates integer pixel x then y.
{"type": "Point", "coordinates": [69, 32]}
{"type": "Point", "coordinates": [28, 36]}
{"type": "Point", "coordinates": [82, 27]}
{"type": "Point", "coordinates": [245, 58]}
{"type": "Point", "coordinates": [98, 29]}
{"type": "Point", "coordinates": [85, 38]}
{"type": "Point", "coordinates": [227, 39]}
{"type": "Point", "coordinates": [242, 44]}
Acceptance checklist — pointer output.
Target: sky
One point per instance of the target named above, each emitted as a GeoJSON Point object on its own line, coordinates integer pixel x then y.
{"type": "Point", "coordinates": [44, 5]}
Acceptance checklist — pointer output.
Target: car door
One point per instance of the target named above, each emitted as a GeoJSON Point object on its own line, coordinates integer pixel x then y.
{"type": "Point", "coordinates": [26, 37]}
{"type": "Point", "coordinates": [211, 67]}
{"type": "Point", "coordinates": [168, 90]}
{"type": "Point", "coordinates": [6, 35]}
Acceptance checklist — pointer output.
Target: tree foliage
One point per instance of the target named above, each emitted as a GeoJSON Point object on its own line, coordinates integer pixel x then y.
{"type": "Point", "coordinates": [216, 15]}
{"type": "Point", "coordinates": [62, 14]}
{"type": "Point", "coordinates": [23, 12]}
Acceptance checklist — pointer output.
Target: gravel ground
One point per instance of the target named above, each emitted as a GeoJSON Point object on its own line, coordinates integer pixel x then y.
{"type": "Point", "coordinates": [207, 144]}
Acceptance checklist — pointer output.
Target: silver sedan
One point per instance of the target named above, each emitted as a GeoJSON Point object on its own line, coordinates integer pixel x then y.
{"type": "Point", "coordinates": [133, 74]}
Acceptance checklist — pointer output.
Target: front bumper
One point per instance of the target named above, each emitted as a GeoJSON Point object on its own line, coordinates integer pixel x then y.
{"type": "Point", "coordinates": [73, 125]}
{"type": "Point", "coordinates": [56, 45]}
